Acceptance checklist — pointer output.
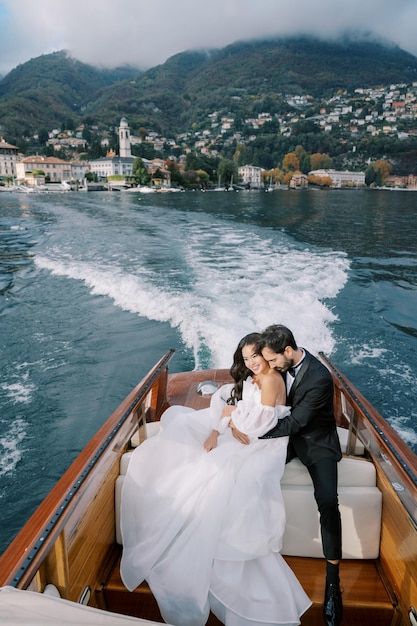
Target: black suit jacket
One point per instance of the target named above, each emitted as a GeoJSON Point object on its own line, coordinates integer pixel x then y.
{"type": "Point", "coordinates": [311, 424]}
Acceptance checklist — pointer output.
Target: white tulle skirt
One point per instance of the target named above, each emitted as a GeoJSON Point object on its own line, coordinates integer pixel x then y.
{"type": "Point", "coordinates": [205, 529]}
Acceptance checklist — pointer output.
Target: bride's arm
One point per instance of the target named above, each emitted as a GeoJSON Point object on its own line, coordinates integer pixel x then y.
{"type": "Point", "coordinates": [211, 441]}
{"type": "Point", "coordinates": [218, 421]}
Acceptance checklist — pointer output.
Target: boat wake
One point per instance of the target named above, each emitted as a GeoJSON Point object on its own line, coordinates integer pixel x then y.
{"type": "Point", "coordinates": [215, 285]}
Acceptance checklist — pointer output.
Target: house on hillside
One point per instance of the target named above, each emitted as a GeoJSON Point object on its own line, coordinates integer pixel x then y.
{"type": "Point", "coordinates": [74, 143]}
{"type": "Point", "coordinates": [161, 175]}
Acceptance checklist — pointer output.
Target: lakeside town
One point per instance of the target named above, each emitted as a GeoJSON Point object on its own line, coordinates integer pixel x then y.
{"type": "Point", "coordinates": [370, 113]}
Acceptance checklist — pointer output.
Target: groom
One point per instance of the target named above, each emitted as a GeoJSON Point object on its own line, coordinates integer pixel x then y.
{"type": "Point", "coordinates": [313, 438]}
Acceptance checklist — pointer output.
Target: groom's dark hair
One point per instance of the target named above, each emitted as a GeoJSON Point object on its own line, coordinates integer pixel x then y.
{"type": "Point", "coordinates": [277, 337]}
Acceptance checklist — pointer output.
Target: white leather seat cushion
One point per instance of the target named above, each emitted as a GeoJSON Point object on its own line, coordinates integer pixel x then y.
{"type": "Point", "coordinates": [117, 506]}
{"type": "Point", "coordinates": [360, 509]}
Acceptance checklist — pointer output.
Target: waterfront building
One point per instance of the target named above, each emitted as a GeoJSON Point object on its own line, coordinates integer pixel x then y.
{"type": "Point", "coordinates": [298, 181]}
{"type": "Point", "coordinates": [405, 182]}
{"type": "Point", "coordinates": [112, 165]}
{"type": "Point", "coordinates": [250, 175]}
{"type": "Point", "coordinates": [78, 170]}
{"type": "Point", "coordinates": [54, 170]}
{"type": "Point", "coordinates": [8, 158]}
{"type": "Point", "coordinates": [341, 178]}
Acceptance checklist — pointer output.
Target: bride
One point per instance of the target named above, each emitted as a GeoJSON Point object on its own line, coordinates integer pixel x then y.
{"type": "Point", "coordinates": [202, 514]}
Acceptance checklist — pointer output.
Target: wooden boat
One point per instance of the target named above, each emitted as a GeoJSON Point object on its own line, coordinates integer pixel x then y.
{"type": "Point", "coordinates": [70, 543]}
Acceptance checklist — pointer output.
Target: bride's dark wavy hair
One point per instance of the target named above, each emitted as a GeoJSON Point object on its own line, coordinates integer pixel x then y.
{"type": "Point", "coordinates": [239, 371]}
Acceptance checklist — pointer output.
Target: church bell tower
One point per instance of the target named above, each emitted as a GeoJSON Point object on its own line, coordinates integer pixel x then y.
{"type": "Point", "coordinates": [124, 139]}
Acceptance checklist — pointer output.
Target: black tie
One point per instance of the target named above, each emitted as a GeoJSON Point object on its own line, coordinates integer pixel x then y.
{"type": "Point", "coordinates": [292, 371]}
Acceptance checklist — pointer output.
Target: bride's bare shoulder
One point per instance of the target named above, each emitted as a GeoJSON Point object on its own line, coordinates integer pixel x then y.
{"type": "Point", "coordinates": [274, 379]}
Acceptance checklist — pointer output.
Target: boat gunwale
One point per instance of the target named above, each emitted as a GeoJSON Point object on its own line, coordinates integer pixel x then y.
{"type": "Point", "coordinates": [388, 439]}
{"type": "Point", "coordinates": [389, 453]}
{"type": "Point", "coordinates": [48, 520]}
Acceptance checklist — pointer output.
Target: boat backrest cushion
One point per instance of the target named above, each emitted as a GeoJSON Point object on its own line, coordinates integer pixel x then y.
{"type": "Point", "coordinates": [152, 428]}
{"type": "Point", "coordinates": [360, 506]}
{"type": "Point", "coordinates": [352, 472]}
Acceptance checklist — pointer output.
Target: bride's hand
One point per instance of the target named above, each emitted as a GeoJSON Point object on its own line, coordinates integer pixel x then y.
{"type": "Point", "coordinates": [211, 441]}
{"type": "Point", "coordinates": [237, 434]}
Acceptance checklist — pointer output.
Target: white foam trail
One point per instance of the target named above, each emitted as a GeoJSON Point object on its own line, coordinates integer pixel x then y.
{"type": "Point", "coordinates": [10, 451]}
{"type": "Point", "coordinates": [365, 353]}
{"type": "Point", "coordinates": [19, 392]}
{"type": "Point", "coordinates": [231, 282]}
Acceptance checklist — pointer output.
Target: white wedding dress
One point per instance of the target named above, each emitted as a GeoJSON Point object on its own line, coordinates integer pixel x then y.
{"type": "Point", "coordinates": [204, 529]}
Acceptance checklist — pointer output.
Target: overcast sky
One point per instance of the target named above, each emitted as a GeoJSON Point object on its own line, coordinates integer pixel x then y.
{"type": "Point", "coordinates": [144, 33]}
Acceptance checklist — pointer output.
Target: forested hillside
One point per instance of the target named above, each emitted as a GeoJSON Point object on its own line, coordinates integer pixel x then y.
{"type": "Point", "coordinates": [47, 90]}
{"type": "Point", "coordinates": [243, 78]}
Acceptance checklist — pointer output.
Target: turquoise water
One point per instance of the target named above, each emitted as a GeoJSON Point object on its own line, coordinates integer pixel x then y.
{"type": "Point", "coordinates": [95, 287]}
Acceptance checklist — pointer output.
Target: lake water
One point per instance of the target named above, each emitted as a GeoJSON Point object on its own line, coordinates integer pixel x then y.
{"type": "Point", "coordinates": [95, 287]}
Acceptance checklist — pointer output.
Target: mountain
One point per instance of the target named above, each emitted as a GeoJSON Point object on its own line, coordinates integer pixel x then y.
{"type": "Point", "coordinates": [250, 77]}
{"type": "Point", "coordinates": [244, 78]}
{"type": "Point", "coordinates": [47, 90]}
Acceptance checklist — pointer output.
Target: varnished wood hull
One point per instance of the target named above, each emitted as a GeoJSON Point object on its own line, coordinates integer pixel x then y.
{"type": "Point", "coordinates": [70, 539]}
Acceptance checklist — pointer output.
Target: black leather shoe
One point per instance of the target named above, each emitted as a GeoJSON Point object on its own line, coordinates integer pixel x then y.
{"type": "Point", "coordinates": [333, 607]}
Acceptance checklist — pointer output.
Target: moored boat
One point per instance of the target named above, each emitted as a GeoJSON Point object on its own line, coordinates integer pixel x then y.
{"type": "Point", "coordinates": [142, 189]}
{"type": "Point", "coordinates": [71, 545]}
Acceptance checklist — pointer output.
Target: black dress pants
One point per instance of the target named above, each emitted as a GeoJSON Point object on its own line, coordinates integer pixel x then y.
{"type": "Point", "coordinates": [324, 476]}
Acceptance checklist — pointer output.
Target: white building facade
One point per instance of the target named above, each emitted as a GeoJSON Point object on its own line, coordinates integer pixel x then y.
{"type": "Point", "coordinates": [342, 178]}
{"type": "Point", "coordinates": [112, 166]}
{"type": "Point", "coordinates": [250, 175]}
{"type": "Point", "coordinates": [8, 159]}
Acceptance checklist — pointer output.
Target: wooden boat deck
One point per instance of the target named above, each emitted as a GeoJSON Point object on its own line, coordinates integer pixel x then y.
{"type": "Point", "coordinates": [182, 386]}
{"type": "Point", "coordinates": [365, 598]}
